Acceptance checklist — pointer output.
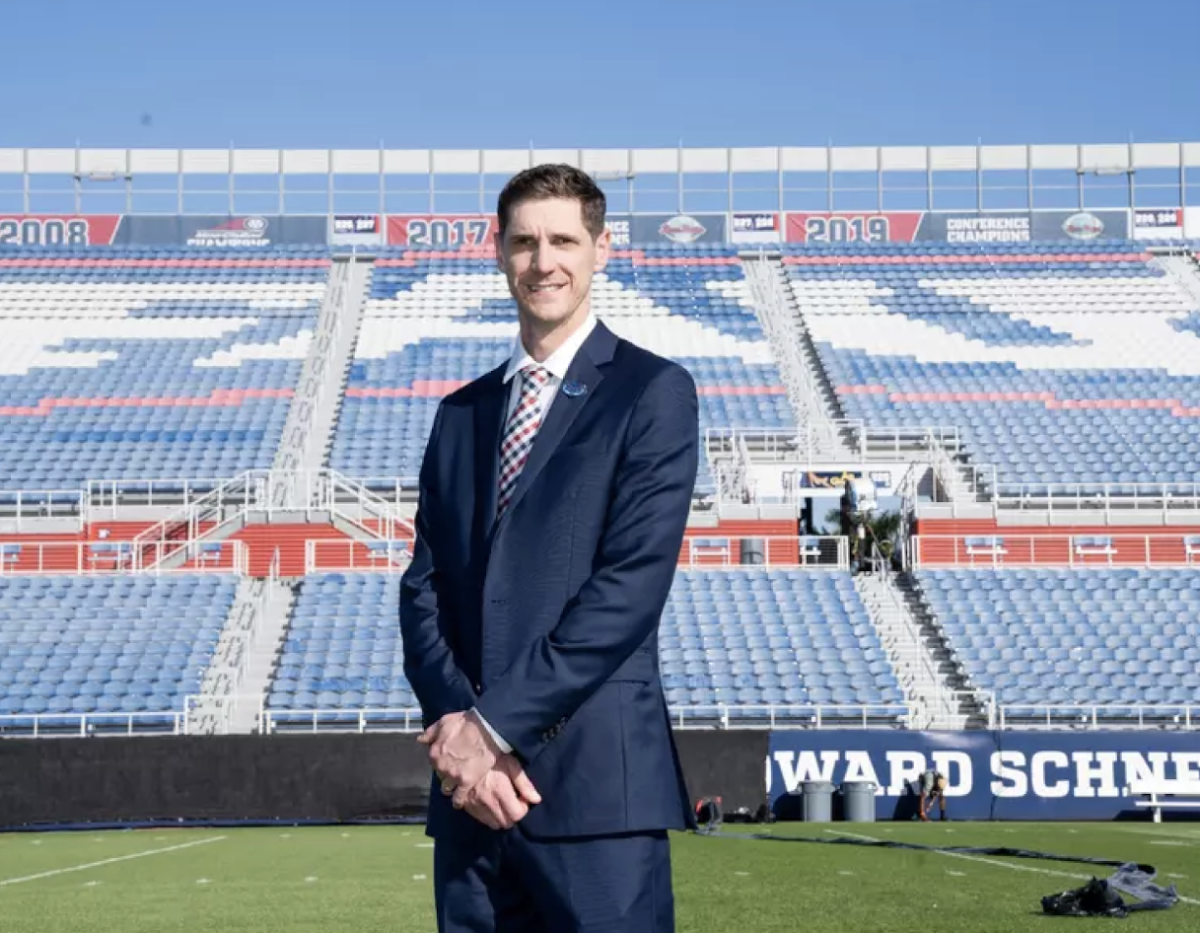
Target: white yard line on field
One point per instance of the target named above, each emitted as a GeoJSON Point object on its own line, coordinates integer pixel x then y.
{"type": "Point", "coordinates": [996, 862]}
{"type": "Point", "coordinates": [109, 861]}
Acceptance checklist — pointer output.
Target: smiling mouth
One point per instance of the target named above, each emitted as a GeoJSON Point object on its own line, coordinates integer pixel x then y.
{"type": "Point", "coordinates": [544, 289]}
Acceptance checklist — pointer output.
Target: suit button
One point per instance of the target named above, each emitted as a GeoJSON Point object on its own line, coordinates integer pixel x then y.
{"type": "Point", "coordinates": [478, 689]}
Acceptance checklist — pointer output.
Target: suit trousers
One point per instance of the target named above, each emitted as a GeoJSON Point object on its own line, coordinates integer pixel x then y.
{"type": "Point", "coordinates": [505, 882]}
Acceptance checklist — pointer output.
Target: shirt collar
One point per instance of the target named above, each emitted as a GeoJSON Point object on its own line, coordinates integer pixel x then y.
{"type": "Point", "coordinates": [558, 362]}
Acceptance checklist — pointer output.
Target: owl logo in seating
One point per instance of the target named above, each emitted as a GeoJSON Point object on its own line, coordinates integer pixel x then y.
{"type": "Point", "coordinates": [682, 228]}
{"type": "Point", "coordinates": [1083, 226]}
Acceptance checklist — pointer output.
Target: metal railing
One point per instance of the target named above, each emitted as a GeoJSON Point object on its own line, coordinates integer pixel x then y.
{"type": "Point", "coordinates": [19, 507]}
{"type": "Point", "coordinates": [1106, 549]}
{"type": "Point", "coordinates": [716, 716]}
{"type": "Point", "coordinates": [384, 555]}
{"type": "Point", "coordinates": [1096, 716]}
{"type": "Point", "coordinates": [1093, 498]}
{"type": "Point", "coordinates": [103, 498]}
{"type": "Point", "coordinates": [72, 725]}
{"type": "Point", "coordinates": [704, 551]}
{"type": "Point", "coordinates": [120, 557]}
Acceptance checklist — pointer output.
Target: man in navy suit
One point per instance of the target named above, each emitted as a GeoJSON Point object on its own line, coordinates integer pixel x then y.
{"type": "Point", "coordinates": [554, 494]}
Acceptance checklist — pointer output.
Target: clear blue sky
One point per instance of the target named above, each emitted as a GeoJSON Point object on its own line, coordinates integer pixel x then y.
{"type": "Point", "coordinates": [597, 73]}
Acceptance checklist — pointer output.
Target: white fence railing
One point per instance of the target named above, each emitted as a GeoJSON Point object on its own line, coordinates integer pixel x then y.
{"type": "Point", "coordinates": [1107, 549]}
{"type": "Point", "coordinates": [108, 557]}
{"type": "Point", "coordinates": [20, 507]}
{"type": "Point", "coordinates": [64, 725]}
{"type": "Point", "coordinates": [1094, 498]}
{"type": "Point", "coordinates": [700, 552]}
{"type": "Point", "coordinates": [1174, 717]}
{"type": "Point", "coordinates": [1098, 716]}
{"type": "Point", "coordinates": [386, 556]}
{"type": "Point", "coordinates": [806, 716]}
{"type": "Point", "coordinates": [104, 499]}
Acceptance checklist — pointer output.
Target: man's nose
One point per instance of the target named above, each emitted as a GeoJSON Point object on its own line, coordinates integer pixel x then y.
{"type": "Point", "coordinates": [543, 258]}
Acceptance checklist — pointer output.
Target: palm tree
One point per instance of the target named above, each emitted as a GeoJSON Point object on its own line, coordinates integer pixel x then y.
{"type": "Point", "coordinates": [882, 528]}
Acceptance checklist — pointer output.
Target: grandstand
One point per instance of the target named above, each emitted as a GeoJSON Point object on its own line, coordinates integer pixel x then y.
{"type": "Point", "coordinates": [211, 428]}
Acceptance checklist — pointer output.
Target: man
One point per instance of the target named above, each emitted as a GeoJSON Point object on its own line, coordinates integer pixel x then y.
{"type": "Point", "coordinates": [933, 787]}
{"type": "Point", "coordinates": [553, 499]}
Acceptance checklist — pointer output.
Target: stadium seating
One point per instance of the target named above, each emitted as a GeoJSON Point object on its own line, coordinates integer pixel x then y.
{"type": "Point", "coordinates": [1060, 363]}
{"type": "Point", "coordinates": [741, 638]}
{"type": "Point", "coordinates": [149, 363]}
{"type": "Point", "coordinates": [102, 644]}
{"type": "Point", "coordinates": [1073, 637]}
{"type": "Point", "coordinates": [793, 638]}
{"type": "Point", "coordinates": [435, 321]}
{"type": "Point", "coordinates": [343, 649]}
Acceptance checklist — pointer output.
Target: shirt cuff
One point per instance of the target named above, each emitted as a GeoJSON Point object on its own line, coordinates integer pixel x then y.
{"type": "Point", "coordinates": [496, 737]}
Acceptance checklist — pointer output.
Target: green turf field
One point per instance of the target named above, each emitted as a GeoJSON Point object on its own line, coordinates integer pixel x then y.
{"type": "Point", "coordinates": [366, 879]}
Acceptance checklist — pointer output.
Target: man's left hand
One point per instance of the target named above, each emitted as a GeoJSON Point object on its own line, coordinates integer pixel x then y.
{"type": "Point", "coordinates": [460, 750]}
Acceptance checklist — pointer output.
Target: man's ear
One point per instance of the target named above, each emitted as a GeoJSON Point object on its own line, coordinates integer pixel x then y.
{"type": "Point", "coordinates": [603, 249]}
{"type": "Point", "coordinates": [498, 244]}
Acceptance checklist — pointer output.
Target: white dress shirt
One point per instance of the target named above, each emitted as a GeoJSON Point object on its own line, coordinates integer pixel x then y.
{"type": "Point", "coordinates": [556, 364]}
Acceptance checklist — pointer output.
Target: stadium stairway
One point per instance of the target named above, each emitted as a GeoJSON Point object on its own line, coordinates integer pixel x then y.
{"type": "Point", "coordinates": [809, 390]}
{"type": "Point", "coordinates": [934, 687]}
{"type": "Point", "coordinates": [239, 675]}
{"type": "Point", "coordinates": [308, 435]}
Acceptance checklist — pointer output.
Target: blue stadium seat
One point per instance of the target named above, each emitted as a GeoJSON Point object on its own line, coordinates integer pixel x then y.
{"type": "Point", "coordinates": [98, 644]}
{"type": "Point", "coordinates": [1059, 362]}
{"type": "Point", "coordinates": [134, 363]}
{"type": "Point", "coordinates": [435, 321]}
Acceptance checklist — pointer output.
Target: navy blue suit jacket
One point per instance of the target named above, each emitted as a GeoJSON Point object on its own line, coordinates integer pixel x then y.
{"type": "Point", "coordinates": [547, 620]}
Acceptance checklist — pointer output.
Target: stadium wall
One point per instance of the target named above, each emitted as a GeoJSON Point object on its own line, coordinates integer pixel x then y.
{"type": "Point", "coordinates": [446, 231]}
{"type": "Point", "coordinates": [283, 778]}
{"type": "Point", "coordinates": [991, 775]}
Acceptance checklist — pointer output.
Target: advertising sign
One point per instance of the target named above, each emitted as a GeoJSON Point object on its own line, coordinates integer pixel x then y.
{"type": "Point", "coordinates": [756, 228]}
{"type": "Point", "coordinates": [24, 230]}
{"type": "Point", "coordinates": [990, 775]}
{"type": "Point", "coordinates": [1158, 223]}
{"type": "Point", "coordinates": [224, 232]}
{"type": "Point", "coordinates": [441, 231]}
{"type": "Point", "coordinates": [677, 228]}
{"type": "Point", "coordinates": [1081, 225]}
{"type": "Point", "coordinates": [853, 227]}
{"type": "Point", "coordinates": [621, 230]}
{"type": "Point", "coordinates": [998, 227]}
{"type": "Point", "coordinates": [355, 230]}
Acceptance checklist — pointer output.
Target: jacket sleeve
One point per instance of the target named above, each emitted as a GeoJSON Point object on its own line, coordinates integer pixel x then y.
{"type": "Point", "coordinates": [620, 604]}
{"type": "Point", "coordinates": [439, 684]}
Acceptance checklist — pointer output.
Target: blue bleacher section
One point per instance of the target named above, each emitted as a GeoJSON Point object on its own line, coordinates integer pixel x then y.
{"type": "Point", "coordinates": [1059, 363]}
{"type": "Point", "coordinates": [149, 363]}
{"type": "Point", "coordinates": [774, 637]}
{"type": "Point", "coordinates": [435, 321]}
{"type": "Point", "coordinates": [106, 644]}
{"type": "Point", "coordinates": [1072, 637]}
{"type": "Point", "coordinates": [746, 637]}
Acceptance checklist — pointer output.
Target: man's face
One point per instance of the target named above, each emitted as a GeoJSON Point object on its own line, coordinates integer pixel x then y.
{"type": "Point", "coordinates": [549, 257]}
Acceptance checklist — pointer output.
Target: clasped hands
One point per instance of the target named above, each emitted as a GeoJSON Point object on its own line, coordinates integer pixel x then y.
{"type": "Point", "coordinates": [489, 784]}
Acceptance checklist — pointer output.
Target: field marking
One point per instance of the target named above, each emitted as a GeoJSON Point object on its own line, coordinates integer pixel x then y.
{"type": "Point", "coordinates": [109, 861]}
{"type": "Point", "coordinates": [1009, 865]}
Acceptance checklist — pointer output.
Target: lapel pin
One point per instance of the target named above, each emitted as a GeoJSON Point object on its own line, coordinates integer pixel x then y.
{"type": "Point", "coordinates": [574, 389]}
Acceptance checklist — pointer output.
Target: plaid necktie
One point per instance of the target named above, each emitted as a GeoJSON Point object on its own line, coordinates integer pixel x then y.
{"type": "Point", "coordinates": [519, 433]}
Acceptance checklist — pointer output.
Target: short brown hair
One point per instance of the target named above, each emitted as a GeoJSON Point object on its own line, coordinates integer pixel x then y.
{"type": "Point", "coordinates": [555, 181]}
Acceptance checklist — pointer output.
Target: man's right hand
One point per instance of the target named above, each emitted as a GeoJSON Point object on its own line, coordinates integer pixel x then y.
{"type": "Point", "coordinates": [502, 798]}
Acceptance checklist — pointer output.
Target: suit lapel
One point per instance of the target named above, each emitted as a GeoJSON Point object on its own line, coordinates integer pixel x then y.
{"type": "Point", "coordinates": [489, 428]}
{"type": "Point", "coordinates": [584, 370]}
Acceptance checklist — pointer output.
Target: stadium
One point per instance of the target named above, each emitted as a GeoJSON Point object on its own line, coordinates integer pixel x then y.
{"type": "Point", "coordinates": [948, 514]}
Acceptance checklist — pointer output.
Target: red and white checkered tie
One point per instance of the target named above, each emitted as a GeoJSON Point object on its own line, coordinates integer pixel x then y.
{"type": "Point", "coordinates": [520, 432]}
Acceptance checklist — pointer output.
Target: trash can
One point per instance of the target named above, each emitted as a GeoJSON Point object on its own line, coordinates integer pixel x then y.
{"type": "Point", "coordinates": [817, 801]}
{"type": "Point", "coordinates": [753, 551]}
{"type": "Point", "coordinates": [858, 798]}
